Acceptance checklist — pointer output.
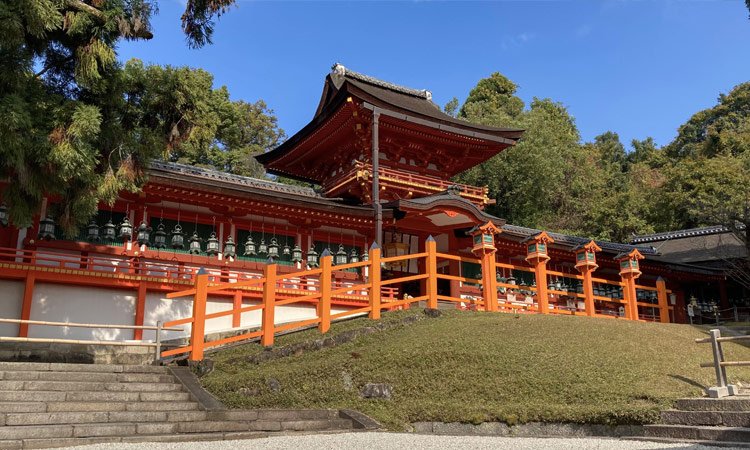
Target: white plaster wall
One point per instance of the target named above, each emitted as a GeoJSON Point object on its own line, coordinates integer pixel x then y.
{"type": "Point", "coordinates": [11, 300]}
{"type": "Point", "coordinates": [59, 303]}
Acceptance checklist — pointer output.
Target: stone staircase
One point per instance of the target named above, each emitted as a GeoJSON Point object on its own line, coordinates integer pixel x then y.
{"type": "Point", "coordinates": [724, 421]}
{"type": "Point", "coordinates": [44, 405]}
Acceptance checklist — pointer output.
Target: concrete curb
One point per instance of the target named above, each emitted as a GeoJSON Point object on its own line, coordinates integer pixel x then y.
{"type": "Point", "coordinates": [188, 379]}
{"type": "Point", "coordinates": [531, 429]}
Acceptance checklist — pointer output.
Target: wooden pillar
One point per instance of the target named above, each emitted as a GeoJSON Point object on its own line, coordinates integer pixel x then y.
{"type": "Point", "coordinates": [588, 292]}
{"type": "Point", "coordinates": [140, 310]}
{"type": "Point", "coordinates": [540, 271]}
{"type": "Point", "coordinates": [431, 271]}
{"type": "Point", "coordinates": [631, 298]}
{"type": "Point", "coordinates": [454, 267]}
{"type": "Point", "coordinates": [723, 297]}
{"type": "Point", "coordinates": [28, 297]}
{"type": "Point", "coordinates": [268, 325]}
{"type": "Point", "coordinates": [375, 281]}
{"type": "Point", "coordinates": [197, 332]}
{"type": "Point", "coordinates": [661, 295]}
{"type": "Point", "coordinates": [324, 303]}
{"type": "Point", "coordinates": [489, 282]}
{"type": "Point", "coordinates": [236, 306]}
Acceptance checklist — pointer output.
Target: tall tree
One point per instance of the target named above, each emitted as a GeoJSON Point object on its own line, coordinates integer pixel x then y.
{"type": "Point", "coordinates": [69, 129]}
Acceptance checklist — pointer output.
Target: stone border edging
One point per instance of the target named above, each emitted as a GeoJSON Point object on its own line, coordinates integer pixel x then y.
{"type": "Point", "coordinates": [360, 421]}
{"type": "Point", "coordinates": [188, 379]}
{"type": "Point", "coordinates": [531, 429]}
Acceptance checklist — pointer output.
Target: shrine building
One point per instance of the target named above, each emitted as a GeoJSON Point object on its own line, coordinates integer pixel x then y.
{"type": "Point", "coordinates": [383, 156]}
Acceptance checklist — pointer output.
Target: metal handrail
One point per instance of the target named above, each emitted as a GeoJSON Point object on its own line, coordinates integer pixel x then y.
{"type": "Point", "coordinates": [157, 344]}
{"type": "Point", "coordinates": [722, 388]}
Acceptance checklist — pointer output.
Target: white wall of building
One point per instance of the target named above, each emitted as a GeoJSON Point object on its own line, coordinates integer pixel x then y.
{"type": "Point", "coordinates": [60, 303]}
{"type": "Point", "coordinates": [11, 300]}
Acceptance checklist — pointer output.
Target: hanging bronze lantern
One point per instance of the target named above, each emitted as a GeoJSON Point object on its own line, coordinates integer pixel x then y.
{"type": "Point", "coordinates": [178, 237]}
{"type": "Point", "coordinates": [126, 230]}
{"type": "Point", "coordinates": [365, 255]}
{"type": "Point", "coordinates": [110, 232]}
{"type": "Point", "coordinates": [286, 252]}
{"type": "Point", "coordinates": [144, 234]}
{"type": "Point", "coordinates": [273, 249]}
{"type": "Point", "coordinates": [3, 215]}
{"type": "Point", "coordinates": [92, 231]}
{"type": "Point", "coordinates": [160, 237]}
{"type": "Point", "coordinates": [195, 244]}
{"type": "Point", "coordinates": [212, 245]}
{"type": "Point", "coordinates": [312, 257]}
{"type": "Point", "coordinates": [47, 229]}
{"type": "Point", "coordinates": [296, 253]}
{"type": "Point", "coordinates": [263, 248]}
{"type": "Point", "coordinates": [353, 256]}
{"type": "Point", "coordinates": [340, 257]}
{"type": "Point", "coordinates": [250, 246]}
{"type": "Point", "coordinates": [229, 248]}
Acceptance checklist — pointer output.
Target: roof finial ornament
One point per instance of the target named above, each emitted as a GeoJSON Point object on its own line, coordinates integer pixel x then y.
{"type": "Point", "coordinates": [427, 94]}
{"type": "Point", "coordinates": [338, 69]}
{"type": "Point", "coordinates": [454, 189]}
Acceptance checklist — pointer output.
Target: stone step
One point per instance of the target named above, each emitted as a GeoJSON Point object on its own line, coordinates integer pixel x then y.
{"type": "Point", "coordinates": [86, 386]}
{"type": "Point", "coordinates": [714, 404]}
{"type": "Point", "coordinates": [105, 377]}
{"type": "Point", "coordinates": [724, 418]}
{"type": "Point", "coordinates": [94, 396]}
{"type": "Point", "coordinates": [73, 442]}
{"type": "Point", "coordinates": [116, 406]}
{"type": "Point", "coordinates": [65, 367]}
{"type": "Point", "coordinates": [699, 433]}
{"type": "Point", "coordinates": [62, 418]}
{"type": "Point", "coordinates": [22, 407]}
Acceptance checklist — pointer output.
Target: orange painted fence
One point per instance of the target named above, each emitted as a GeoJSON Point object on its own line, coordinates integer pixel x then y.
{"type": "Point", "coordinates": [493, 295]}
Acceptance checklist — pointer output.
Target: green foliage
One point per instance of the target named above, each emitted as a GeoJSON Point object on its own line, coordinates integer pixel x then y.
{"type": "Point", "coordinates": [550, 180]}
{"type": "Point", "coordinates": [476, 367]}
{"type": "Point", "coordinates": [79, 127]}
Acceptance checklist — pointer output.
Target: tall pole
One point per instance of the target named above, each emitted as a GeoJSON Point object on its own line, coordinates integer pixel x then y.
{"type": "Point", "coordinates": [375, 178]}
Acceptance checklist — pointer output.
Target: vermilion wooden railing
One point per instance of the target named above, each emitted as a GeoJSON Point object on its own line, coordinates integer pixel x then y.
{"type": "Point", "coordinates": [499, 296]}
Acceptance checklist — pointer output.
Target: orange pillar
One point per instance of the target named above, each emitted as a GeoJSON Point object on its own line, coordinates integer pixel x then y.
{"type": "Point", "coordinates": [28, 296]}
{"type": "Point", "coordinates": [661, 295]}
{"type": "Point", "coordinates": [540, 270]}
{"type": "Point", "coordinates": [236, 306]}
{"type": "Point", "coordinates": [631, 299]}
{"type": "Point", "coordinates": [374, 282]}
{"type": "Point", "coordinates": [489, 282]}
{"type": "Point", "coordinates": [588, 292]}
{"type": "Point", "coordinates": [268, 325]}
{"type": "Point", "coordinates": [197, 332]}
{"type": "Point", "coordinates": [324, 303]}
{"type": "Point", "coordinates": [431, 270]}
{"type": "Point", "coordinates": [140, 310]}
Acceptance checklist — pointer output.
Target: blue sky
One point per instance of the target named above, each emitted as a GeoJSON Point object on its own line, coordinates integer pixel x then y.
{"type": "Point", "coordinates": [637, 68]}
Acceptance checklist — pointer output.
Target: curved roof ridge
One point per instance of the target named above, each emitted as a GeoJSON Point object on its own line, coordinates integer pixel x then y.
{"type": "Point", "coordinates": [339, 70]}
{"type": "Point", "coordinates": [614, 247]}
{"type": "Point", "coordinates": [678, 234]}
{"type": "Point", "coordinates": [232, 178]}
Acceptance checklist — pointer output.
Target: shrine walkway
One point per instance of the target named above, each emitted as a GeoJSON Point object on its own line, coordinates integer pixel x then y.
{"type": "Point", "coordinates": [388, 441]}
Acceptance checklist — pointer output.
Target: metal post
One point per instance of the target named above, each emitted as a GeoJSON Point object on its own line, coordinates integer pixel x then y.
{"type": "Point", "coordinates": [721, 374]}
{"type": "Point", "coordinates": [376, 178]}
{"type": "Point", "coordinates": [157, 359]}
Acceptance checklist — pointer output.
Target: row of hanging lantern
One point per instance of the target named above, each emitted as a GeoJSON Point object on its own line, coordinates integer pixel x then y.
{"type": "Point", "coordinates": [176, 239]}
{"type": "Point", "coordinates": [608, 290]}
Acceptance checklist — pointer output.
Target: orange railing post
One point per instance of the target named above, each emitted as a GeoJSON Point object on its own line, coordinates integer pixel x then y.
{"type": "Point", "coordinates": [661, 295]}
{"type": "Point", "coordinates": [268, 326]}
{"type": "Point", "coordinates": [540, 272]}
{"type": "Point", "coordinates": [236, 306]}
{"type": "Point", "coordinates": [324, 303]}
{"type": "Point", "coordinates": [375, 301]}
{"type": "Point", "coordinates": [197, 331]}
{"type": "Point", "coordinates": [431, 269]}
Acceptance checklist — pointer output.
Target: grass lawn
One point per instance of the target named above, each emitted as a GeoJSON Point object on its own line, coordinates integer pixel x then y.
{"type": "Point", "coordinates": [476, 366]}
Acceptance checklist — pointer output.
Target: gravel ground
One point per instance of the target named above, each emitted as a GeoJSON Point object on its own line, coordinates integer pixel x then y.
{"type": "Point", "coordinates": [404, 441]}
